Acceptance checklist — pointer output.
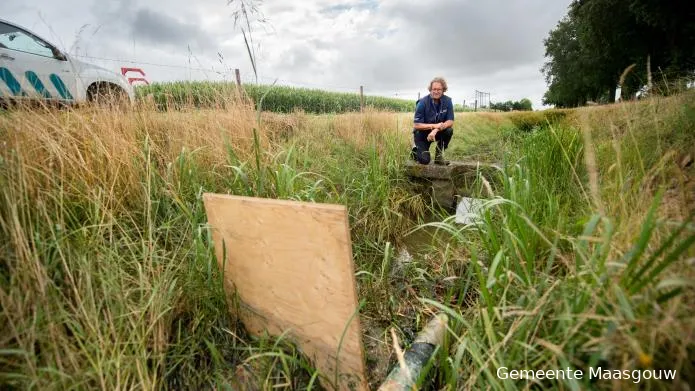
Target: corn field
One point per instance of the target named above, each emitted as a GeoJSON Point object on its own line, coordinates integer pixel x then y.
{"type": "Point", "coordinates": [281, 99]}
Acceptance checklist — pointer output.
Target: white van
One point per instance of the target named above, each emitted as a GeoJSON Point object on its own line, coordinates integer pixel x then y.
{"type": "Point", "coordinates": [32, 68]}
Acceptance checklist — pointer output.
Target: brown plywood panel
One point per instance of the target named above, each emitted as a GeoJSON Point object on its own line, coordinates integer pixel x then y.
{"type": "Point", "coordinates": [291, 264]}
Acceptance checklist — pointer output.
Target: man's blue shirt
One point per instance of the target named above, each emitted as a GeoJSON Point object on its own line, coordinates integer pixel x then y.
{"type": "Point", "coordinates": [427, 112]}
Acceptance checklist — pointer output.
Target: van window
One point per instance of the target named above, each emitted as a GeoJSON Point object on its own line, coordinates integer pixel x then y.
{"type": "Point", "coordinates": [17, 39]}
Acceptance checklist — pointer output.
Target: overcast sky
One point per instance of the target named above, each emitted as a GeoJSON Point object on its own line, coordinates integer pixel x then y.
{"type": "Point", "coordinates": [391, 47]}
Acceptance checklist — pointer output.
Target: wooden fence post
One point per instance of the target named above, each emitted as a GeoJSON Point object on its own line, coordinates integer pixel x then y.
{"type": "Point", "coordinates": [362, 98]}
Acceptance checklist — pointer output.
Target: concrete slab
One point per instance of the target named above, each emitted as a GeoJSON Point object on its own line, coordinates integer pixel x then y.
{"type": "Point", "coordinates": [445, 183]}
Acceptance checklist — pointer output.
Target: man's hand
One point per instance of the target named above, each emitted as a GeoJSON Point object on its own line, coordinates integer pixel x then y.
{"type": "Point", "coordinates": [435, 128]}
{"type": "Point", "coordinates": [432, 135]}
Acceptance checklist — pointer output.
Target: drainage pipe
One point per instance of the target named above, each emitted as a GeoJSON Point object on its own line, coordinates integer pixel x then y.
{"type": "Point", "coordinates": [405, 375]}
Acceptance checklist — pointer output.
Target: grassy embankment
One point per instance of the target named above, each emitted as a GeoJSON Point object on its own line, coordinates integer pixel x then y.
{"type": "Point", "coordinates": [581, 259]}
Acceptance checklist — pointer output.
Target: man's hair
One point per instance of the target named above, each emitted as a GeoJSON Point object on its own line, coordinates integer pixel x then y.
{"type": "Point", "coordinates": [439, 80]}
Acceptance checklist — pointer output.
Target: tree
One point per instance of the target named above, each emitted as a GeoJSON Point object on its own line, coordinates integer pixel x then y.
{"type": "Point", "coordinates": [568, 85]}
{"type": "Point", "coordinates": [525, 105]}
{"type": "Point", "coordinates": [671, 42]}
{"type": "Point", "coordinates": [522, 105]}
{"type": "Point", "coordinates": [598, 39]}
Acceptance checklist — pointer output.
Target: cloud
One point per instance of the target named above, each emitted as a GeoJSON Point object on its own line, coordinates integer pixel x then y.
{"type": "Point", "coordinates": [390, 46]}
{"type": "Point", "coordinates": [477, 37]}
{"type": "Point", "coordinates": [399, 46]}
{"type": "Point", "coordinates": [161, 29]}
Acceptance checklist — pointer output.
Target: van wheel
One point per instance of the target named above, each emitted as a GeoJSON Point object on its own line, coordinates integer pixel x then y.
{"type": "Point", "coordinates": [107, 95]}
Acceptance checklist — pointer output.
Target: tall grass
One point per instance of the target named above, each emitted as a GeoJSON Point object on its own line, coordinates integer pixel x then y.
{"type": "Point", "coordinates": [562, 285]}
{"type": "Point", "coordinates": [108, 271]}
{"type": "Point", "coordinates": [109, 278]}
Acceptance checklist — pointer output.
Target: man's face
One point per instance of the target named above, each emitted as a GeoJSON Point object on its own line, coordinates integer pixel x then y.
{"type": "Point", "coordinates": [437, 90]}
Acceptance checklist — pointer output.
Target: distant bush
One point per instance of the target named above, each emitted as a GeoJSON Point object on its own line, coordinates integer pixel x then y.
{"type": "Point", "coordinates": [554, 116]}
{"type": "Point", "coordinates": [521, 105]}
{"type": "Point", "coordinates": [528, 120]}
{"type": "Point", "coordinates": [459, 108]}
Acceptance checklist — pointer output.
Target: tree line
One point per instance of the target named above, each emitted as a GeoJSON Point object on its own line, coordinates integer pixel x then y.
{"type": "Point", "coordinates": [521, 105]}
{"type": "Point", "coordinates": [602, 44]}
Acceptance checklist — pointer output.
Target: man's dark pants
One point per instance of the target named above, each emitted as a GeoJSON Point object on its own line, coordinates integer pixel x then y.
{"type": "Point", "coordinates": [422, 146]}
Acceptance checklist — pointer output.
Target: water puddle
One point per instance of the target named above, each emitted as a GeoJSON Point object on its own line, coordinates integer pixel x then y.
{"type": "Point", "coordinates": [468, 210]}
{"type": "Point", "coordinates": [422, 240]}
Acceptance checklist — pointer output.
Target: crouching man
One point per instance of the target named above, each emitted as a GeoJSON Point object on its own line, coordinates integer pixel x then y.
{"type": "Point", "coordinates": [434, 118]}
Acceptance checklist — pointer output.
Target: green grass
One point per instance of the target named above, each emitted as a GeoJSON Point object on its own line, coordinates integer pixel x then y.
{"type": "Point", "coordinates": [561, 283]}
{"type": "Point", "coordinates": [581, 258]}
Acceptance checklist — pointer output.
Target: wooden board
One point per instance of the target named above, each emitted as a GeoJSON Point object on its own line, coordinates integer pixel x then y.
{"type": "Point", "coordinates": [289, 267]}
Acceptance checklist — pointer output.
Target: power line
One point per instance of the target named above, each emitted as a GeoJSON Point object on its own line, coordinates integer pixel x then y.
{"type": "Point", "coordinates": [154, 64]}
{"type": "Point", "coordinates": [230, 71]}
{"type": "Point", "coordinates": [226, 72]}
{"type": "Point", "coordinates": [319, 86]}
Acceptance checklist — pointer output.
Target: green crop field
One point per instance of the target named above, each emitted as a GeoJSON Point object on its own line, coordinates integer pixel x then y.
{"type": "Point", "coordinates": [281, 99]}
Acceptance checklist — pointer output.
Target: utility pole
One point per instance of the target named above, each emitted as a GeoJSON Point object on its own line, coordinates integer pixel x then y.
{"type": "Point", "coordinates": [483, 98]}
